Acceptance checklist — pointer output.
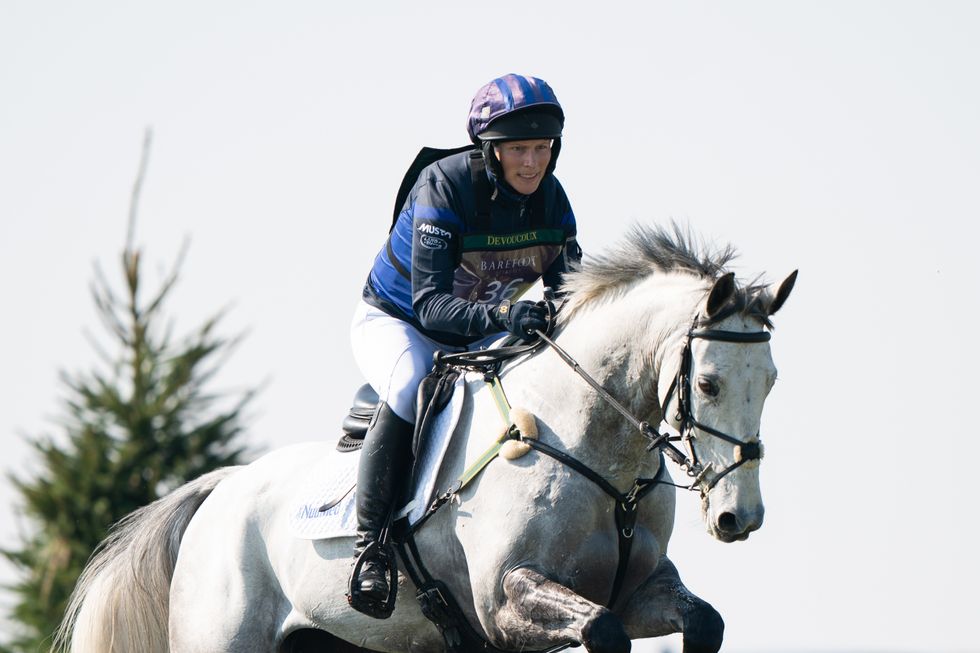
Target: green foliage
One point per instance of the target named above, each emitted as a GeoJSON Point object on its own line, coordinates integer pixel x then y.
{"type": "Point", "coordinates": [137, 426]}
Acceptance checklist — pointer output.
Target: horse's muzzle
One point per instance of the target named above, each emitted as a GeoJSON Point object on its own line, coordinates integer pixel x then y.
{"type": "Point", "coordinates": [736, 526]}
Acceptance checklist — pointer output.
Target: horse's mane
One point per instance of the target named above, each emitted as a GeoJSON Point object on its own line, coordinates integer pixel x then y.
{"type": "Point", "coordinates": [646, 251]}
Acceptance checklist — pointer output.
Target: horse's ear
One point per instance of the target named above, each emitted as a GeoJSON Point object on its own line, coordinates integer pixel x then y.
{"type": "Point", "coordinates": [783, 293]}
{"type": "Point", "coordinates": [721, 293]}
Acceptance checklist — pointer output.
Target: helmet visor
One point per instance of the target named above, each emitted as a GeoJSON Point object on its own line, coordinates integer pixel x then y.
{"type": "Point", "coordinates": [522, 125]}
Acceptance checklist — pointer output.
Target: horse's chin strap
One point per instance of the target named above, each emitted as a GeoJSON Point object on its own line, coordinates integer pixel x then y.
{"type": "Point", "coordinates": [687, 423]}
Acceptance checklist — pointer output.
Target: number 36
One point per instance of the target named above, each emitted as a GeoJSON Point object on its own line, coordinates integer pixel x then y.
{"type": "Point", "coordinates": [496, 291]}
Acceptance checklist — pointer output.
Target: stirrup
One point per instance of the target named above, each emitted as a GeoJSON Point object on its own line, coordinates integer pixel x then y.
{"type": "Point", "coordinates": [385, 554]}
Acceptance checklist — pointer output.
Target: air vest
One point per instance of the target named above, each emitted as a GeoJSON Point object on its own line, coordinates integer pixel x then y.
{"type": "Point", "coordinates": [463, 242]}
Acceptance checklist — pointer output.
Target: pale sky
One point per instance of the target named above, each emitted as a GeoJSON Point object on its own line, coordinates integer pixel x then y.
{"type": "Point", "coordinates": [840, 138]}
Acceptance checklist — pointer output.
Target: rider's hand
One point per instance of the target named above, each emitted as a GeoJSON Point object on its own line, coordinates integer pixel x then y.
{"type": "Point", "coordinates": [522, 318]}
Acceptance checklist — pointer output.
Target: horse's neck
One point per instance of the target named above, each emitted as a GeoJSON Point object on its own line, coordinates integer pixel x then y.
{"type": "Point", "coordinates": [621, 344]}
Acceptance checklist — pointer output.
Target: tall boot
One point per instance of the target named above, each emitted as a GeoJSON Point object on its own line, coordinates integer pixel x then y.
{"type": "Point", "coordinates": [385, 458]}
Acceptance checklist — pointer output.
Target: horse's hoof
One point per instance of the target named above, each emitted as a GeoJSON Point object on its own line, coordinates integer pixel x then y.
{"type": "Point", "coordinates": [605, 634]}
{"type": "Point", "coordinates": [704, 630]}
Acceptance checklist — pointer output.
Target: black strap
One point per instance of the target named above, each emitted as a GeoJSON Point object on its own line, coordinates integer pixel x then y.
{"type": "Point", "coordinates": [440, 607]}
{"type": "Point", "coordinates": [626, 505]}
{"type": "Point", "coordinates": [426, 157]}
{"type": "Point", "coordinates": [482, 190]}
{"type": "Point", "coordinates": [577, 465]}
{"type": "Point", "coordinates": [394, 260]}
{"type": "Point", "coordinates": [732, 336]}
{"type": "Point", "coordinates": [625, 522]}
{"type": "Point", "coordinates": [485, 360]}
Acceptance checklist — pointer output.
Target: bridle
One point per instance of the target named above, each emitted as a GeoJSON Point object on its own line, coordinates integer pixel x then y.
{"type": "Point", "coordinates": [687, 423]}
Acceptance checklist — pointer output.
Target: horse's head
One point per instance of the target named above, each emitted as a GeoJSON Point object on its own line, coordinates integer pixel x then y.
{"type": "Point", "coordinates": [635, 305]}
{"type": "Point", "coordinates": [715, 399]}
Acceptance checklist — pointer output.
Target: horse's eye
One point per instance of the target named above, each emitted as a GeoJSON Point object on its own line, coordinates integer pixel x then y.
{"type": "Point", "coordinates": [708, 387]}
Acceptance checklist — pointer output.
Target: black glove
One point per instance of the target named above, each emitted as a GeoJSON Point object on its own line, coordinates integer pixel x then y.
{"type": "Point", "coordinates": [522, 318]}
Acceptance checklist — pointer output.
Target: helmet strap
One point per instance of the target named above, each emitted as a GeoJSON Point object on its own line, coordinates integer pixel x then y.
{"type": "Point", "coordinates": [491, 161]}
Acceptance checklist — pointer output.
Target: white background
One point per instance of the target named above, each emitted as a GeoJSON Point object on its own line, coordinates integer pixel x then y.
{"type": "Point", "coordinates": [840, 138]}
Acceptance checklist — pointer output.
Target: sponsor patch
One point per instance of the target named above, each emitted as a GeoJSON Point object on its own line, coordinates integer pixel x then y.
{"type": "Point", "coordinates": [433, 242]}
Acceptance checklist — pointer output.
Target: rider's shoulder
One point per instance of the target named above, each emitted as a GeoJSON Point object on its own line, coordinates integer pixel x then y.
{"type": "Point", "coordinates": [449, 176]}
{"type": "Point", "coordinates": [452, 167]}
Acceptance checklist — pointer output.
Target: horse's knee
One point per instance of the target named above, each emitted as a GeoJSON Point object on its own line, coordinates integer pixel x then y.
{"type": "Point", "coordinates": [704, 629]}
{"type": "Point", "coordinates": [605, 634]}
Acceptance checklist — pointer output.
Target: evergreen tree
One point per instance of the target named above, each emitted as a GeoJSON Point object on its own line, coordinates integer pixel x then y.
{"type": "Point", "coordinates": [138, 425]}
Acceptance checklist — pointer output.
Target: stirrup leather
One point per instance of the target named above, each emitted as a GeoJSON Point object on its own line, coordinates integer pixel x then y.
{"type": "Point", "coordinates": [385, 554]}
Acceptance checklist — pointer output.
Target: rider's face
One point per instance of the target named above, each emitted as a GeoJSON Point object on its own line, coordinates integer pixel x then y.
{"type": "Point", "coordinates": [524, 163]}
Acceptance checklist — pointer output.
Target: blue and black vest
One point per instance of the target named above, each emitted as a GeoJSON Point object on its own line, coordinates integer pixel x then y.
{"type": "Point", "coordinates": [463, 242]}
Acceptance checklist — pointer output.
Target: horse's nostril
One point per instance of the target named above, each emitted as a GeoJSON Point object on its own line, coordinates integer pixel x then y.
{"type": "Point", "coordinates": [727, 523]}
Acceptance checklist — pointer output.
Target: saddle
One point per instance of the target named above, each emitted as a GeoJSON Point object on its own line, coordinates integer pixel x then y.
{"type": "Point", "coordinates": [435, 391]}
{"type": "Point", "coordinates": [434, 394]}
{"type": "Point", "coordinates": [355, 424]}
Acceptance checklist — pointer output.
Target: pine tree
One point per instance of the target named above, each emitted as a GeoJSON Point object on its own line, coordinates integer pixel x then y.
{"type": "Point", "coordinates": [138, 425]}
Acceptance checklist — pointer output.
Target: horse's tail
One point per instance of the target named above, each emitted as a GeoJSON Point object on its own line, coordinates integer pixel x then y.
{"type": "Point", "coordinates": [120, 603]}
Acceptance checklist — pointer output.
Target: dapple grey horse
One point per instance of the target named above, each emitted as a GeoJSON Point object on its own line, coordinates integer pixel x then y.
{"type": "Point", "coordinates": [531, 548]}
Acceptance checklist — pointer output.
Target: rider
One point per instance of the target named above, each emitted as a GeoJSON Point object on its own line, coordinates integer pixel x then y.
{"type": "Point", "coordinates": [477, 230]}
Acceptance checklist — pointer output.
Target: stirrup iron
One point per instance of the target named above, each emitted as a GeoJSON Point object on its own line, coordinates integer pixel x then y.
{"type": "Point", "coordinates": [385, 554]}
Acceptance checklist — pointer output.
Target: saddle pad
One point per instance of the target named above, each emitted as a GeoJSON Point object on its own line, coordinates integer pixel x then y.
{"type": "Point", "coordinates": [332, 480]}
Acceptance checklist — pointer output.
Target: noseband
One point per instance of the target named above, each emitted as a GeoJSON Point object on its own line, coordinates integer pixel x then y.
{"type": "Point", "coordinates": [688, 424]}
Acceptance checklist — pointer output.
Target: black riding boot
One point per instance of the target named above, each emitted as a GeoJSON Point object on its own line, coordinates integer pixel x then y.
{"type": "Point", "coordinates": [384, 459]}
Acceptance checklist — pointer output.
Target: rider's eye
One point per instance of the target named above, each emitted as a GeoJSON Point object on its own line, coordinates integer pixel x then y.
{"type": "Point", "coordinates": [708, 387]}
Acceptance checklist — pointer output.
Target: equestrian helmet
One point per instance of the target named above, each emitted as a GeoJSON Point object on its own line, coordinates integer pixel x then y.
{"type": "Point", "coordinates": [515, 107]}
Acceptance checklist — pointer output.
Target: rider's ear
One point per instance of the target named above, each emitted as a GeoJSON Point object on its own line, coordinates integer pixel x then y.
{"type": "Point", "coordinates": [783, 293]}
{"type": "Point", "coordinates": [721, 293]}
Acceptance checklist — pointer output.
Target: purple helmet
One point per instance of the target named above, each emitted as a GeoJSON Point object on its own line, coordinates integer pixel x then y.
{"type": "Point", "coordinates": [515, 107]}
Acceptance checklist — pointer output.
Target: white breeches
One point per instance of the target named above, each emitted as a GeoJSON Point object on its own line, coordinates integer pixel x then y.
{"type": "Point", "coordinates": [394, 357]}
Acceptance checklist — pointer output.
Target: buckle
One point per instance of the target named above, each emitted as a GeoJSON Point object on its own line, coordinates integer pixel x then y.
{"type": "Point", "coordinates": [440, 612]}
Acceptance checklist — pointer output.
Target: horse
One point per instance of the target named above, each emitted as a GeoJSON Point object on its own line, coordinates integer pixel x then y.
{"type": "Point", "coordinates": [532, 548]}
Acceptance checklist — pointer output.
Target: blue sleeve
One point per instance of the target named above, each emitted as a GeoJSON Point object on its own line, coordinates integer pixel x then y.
{"type": "Point", "coordinates": [436, 252]}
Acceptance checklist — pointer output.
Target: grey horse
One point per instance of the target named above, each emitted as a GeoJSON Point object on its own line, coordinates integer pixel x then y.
{"type": "Point", "coordinates": [531, 549]}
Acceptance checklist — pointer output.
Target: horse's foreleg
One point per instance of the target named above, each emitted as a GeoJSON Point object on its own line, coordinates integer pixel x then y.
{"type": "Point", "coordinates": [662, 605]}
{"type": "Point", "coordinates": [539, 612]}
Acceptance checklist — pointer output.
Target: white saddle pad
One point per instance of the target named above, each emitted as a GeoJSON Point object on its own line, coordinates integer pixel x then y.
{"type": "Point", "coordinates": [332, 480]}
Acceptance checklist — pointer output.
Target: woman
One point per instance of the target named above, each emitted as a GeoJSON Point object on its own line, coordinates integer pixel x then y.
{"type": "Point", "coordinates": [478, 229]}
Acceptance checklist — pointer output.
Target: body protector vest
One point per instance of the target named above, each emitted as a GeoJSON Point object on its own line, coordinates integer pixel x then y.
{"type": "Point", "coordinates": [462, 242]}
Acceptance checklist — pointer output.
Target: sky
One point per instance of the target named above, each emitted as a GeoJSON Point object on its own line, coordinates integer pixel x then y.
{"type": "Point", "coordinates": [839, 138]}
